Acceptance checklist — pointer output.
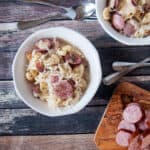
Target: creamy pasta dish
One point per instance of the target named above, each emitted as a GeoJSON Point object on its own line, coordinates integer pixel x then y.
{"type": "Point", "coordinates": [129, 17]}
{"type": "Point", "coordinates": [57, 71]}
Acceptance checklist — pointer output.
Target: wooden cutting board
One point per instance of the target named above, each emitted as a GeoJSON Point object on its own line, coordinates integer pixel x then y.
{"type": "Point", "coordinates": [107, 129]}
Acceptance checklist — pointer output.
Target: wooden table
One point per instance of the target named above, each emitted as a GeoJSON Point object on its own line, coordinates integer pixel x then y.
{"type": "Point", "coordinates": [21, 128]}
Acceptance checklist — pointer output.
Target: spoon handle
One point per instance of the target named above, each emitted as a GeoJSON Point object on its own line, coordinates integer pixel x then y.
{"type": "Point", "coordinates": [22, 25]}
{"type": "Point", "coordinates": [112, 78]}
{"type": "Point", "coordinates": [45, 2]}
{"type": "Point", "coordinates": [120, 65]}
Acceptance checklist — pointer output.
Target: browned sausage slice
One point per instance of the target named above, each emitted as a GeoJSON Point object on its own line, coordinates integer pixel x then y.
{"type": "Point", "coordinates": [54, 78]}
{"type": "Point", "coordinates": [43, 51]}
{"type": "Point", "coordinates": [123, 138]}
{"type": "Point", "coordinates": [126, 126]}
{"type": "Point", "coordinates": [73, 58]}
{"type": "Point", "coordinates": [36, 88]}
{"type": "Point", "coordinates": [118, 21]}
{"type": "Point", "coordinates": [129, 29]}
{"type": "Point", "coordinates": [39, 66]}
{"type": "Point", "coordinates": [135, 144]}
{"type": "Point", "coordinates": [134, 2]}
{"type": "Point", "coordinates": [63, 89]}
{"type": "Point", "coordinates": [133, 113]}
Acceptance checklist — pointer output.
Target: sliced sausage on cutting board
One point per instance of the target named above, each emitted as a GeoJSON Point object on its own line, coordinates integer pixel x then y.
{"type": "Point", "coordinates": [124, 125]}
{"type": "Point", "coordinates": [107, 129]}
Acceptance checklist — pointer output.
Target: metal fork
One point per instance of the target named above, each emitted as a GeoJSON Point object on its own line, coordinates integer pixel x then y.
{"type": "Point", "coordinates": [112, 78]}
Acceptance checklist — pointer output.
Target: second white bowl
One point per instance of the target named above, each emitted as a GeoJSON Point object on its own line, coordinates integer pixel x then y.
{"type": "Point", "coordinates": [100, 5]}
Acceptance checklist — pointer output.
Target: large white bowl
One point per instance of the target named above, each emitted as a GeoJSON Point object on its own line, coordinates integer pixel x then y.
{"type": "Point", "coordinates": [19, 65]}
{"type": "Point", "coordinates": [100, 5]}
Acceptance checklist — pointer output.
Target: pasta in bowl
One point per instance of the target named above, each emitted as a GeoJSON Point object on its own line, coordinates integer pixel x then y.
{"type": "Point", "coordinates": [56, 71]}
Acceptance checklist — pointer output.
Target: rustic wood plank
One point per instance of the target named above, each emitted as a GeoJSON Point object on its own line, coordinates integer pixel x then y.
{"type": "Point", "coordinates": [61, 142]}
{"type": "Point", "coordinates": [9, 99]}
{"type": "Point", "coordinates": [107, 57]}
{"type": "Point", "coordinates": [28, 11]}
{"type": "Point", "coordinates": [91, 29]}
{"type": "Point", "coordinates": [28, 122]}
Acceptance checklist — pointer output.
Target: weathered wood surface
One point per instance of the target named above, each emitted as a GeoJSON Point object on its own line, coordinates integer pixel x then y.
{"type": "Point", "coordinates": [15, 117]}
{"type": "Point", "coordinates": [50, 142]}
{"type": "Point", "coordinates": [91, 29]}
{"type": "Point", "coordinates": [26, 11]}
{"type": "Point", "coordinates": [107, 57]}
{"type": "Point", "coordinates": [28, 122]}
{"type": "Point", "coordinates": [9, 99]}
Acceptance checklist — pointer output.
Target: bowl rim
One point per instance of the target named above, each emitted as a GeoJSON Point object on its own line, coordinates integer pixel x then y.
{"type": "Point", "coordinates": [116, 35]}
{"type": "Point", "coordinates": [73, 109]}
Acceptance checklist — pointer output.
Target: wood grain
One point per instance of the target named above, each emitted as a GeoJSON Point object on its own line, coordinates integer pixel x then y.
{"type": "Point", "coordinates": [27, 11]}
{"type": "Point", "coordinates": [50, 142]}
{"type": "Point", "coordinates": [107, 57]}
{"type": "Point", "coordinates": [91, 29]}
{"type": "Point", "coordinates": [17, 119]}
{"type": "Point", "coordinates": [125, 93]}
{"type": "Point", "coordinates": [28, 122]}
{"type": "Point", "coordinates": [9, 99]}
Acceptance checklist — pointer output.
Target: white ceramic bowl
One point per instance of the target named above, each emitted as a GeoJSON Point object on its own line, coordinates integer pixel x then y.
{"type": "Point", "coordinates": [100, 5]}
{"type": "Point", "coordinates": [19, 64]}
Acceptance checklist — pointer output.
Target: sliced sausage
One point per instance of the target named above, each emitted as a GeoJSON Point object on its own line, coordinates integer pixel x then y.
{"type": "Point", "coordinates": [146, 142]}
{"type": "Point", "coordinates": [146, 6]}
{"type": "Point", "coordinates": [36, 88]}
{"type": "Point", "coordinates": [129, 29]}
{"type": "Point", "coordinates": [63, 89]}
{"type": "Point", "coordinates": [39, 66]}
{"type": "Point", "coordinates": [73, 58]}
{"type": "Point", "coordinates": [123, 138]}
{"type": "Point", "coordinates": [43, 51]}
{"type": "Point", "coordinates": [54, 78]}
{"type": "Point", "coordinates": [134, 2]}
{"type": "Point", "coordinates": [133, 113]}
{"type": "Point", "coordinates": [135, 143]}
{"type": "Point", "coordinates": [126, 126]}
{"type": "Point", "coordinates": [118, 21]}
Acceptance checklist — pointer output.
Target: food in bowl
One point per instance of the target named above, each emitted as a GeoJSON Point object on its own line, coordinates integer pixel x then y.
{"type": "Point", "coordinates": [129, 17]}
{"type": "Point", "coordinates": [58, 72]}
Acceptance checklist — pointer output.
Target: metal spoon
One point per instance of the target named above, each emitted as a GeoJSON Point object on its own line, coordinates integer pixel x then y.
{"type": "Point", "coordinates": [78, 12]}
{"type": "Point", "coordinates": [112, 78]}
{"type": "Point", "coordinates": [121, 65]}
